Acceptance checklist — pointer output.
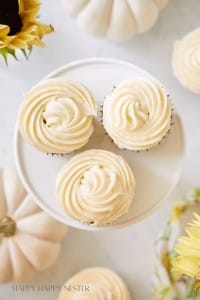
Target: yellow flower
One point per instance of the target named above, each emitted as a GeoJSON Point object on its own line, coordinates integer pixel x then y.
{"type": "Point", "coordinates": [178, 210]}
{"type": "Point", "coordinates": [19, 27]}
{"type": "Point", "coordinates": [187, 261]}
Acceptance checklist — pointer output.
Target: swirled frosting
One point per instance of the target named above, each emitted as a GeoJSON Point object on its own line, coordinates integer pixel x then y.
{"type": "Point", "coordinates": [57, 115]}
{"type": "Point", "coordinates": [186, 61]}
{"type": "Point", "coordinates": [95, 187]}
{"type": "Point", "coordinates": [137, 114]}
{"type": "Point", "coordinates": [95, 284]}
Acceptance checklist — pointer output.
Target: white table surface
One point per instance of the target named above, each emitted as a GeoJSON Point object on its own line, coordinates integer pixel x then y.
{"type": "Point", "coordinates": [129, 251]}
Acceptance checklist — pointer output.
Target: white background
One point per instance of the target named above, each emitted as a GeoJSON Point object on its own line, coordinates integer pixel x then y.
{"type": "Point", "coordinates": [129, 251]}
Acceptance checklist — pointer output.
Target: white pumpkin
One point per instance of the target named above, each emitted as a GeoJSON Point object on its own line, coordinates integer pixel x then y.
{"type": "Point", "coordinates": [119, 20]}
{"type": "Point", "coordinates": [29, 238]}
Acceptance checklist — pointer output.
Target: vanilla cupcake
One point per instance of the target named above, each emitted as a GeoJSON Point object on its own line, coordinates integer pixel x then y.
{"type": "Point", "coordinates": [95, 283]}
{"type": "Point", "coordinates": [57, 116]}
{"type": "Point", "coordinates": [186, 61]}
{"type": "Point", "coordinates": [95, 187]}
{"type": "Point", "coordinates": [137, 114]}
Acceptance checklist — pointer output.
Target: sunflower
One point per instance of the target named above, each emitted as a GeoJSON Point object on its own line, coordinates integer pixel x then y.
{"type": "Point", "coordinates": [187, 261]}
{"type": "Point", "coordinates": [19, 26]}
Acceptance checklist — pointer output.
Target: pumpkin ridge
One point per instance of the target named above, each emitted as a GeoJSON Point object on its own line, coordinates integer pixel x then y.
{"type": "Point", "coordinates": [12, 175]}
{"type": "Point", "coordinates": [37, 238]}
{"type": "Point", "coordinates": [2, 187]}
{"type": "Point", "coordinates": [156, 4]}
{"type": "Point", "coordinates": [9, 259]}
{"type": "Point", "coordinates": [21, 250]}
{"type": "Point", "coordinates": [50, 244]}
{"type": "Point", "coordinates": [12, 258]}
{"type": "Point", "coordinates": [160, 6]}
{"type": "Point", "coordinates": [84, 6]}
{"type": "Point", "coordinates": [110, 17]}
{"type": "Point", "coordinates": [18, 213]}
{"type": "Point", "coordinates": [132, 13]}
{"type": "Point", "coordinates": [137, 24]}
{"type": "Point", "coordinates": [74, 12]}
{"type": "Point", "coordinates": [44, 230]}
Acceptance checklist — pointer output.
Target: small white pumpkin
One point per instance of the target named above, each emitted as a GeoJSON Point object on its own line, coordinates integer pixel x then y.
{"type": "Point", "coordinates": [29, 238]}
{"type": "Point", "coordinates": [119, 20]}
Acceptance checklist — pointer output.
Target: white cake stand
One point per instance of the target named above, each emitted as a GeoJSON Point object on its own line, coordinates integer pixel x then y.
{"type": "Point", "coordinates": [157, 171]}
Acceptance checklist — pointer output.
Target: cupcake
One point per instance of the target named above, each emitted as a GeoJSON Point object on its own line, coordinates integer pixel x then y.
{"type": "Point", "coordinates": [57, 116]}
{"type": "Point", "coordinates": [137, 114]}
{"type": "Point", "coordinates": [186, 61]}
{"type": "Point", "coordinates": [95, 187]}
{"type": "Point", "coordinates": [95, 283]}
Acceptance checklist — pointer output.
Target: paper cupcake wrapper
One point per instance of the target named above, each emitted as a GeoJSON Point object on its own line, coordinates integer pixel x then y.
{"type": "Point", "coordinates": [167, 285]}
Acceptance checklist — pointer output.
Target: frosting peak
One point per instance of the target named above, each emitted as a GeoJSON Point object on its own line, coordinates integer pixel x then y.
{"type": "Point", "coordinates": [63, 112]}
{"type": "Point", "coordinates": [56, 116]}
{"type": "Point", "coordinates": [95, 186]}
{"type": "Point", "coordinates": [134, 115]}
{"type": "Point", "coordinates": [137, 114]}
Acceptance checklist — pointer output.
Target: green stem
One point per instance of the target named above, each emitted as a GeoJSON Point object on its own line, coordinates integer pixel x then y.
{"type": "Point", "coordinates": [7, 226]}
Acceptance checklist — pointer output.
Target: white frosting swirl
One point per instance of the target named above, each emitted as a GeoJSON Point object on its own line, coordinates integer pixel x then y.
{"type": "Point", "coordinates": [186, 61]}
{"type": "Point", "coordinates": [95, 284]}
{"type": "Point", "coordinates": [137, 114]}
{"type": "Point", "coordinates": [95, 187]}
{"type": "Point", "coordinates": [57, 115]}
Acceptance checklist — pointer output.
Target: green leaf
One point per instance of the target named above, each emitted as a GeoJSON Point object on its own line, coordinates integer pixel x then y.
{"type": "Point", "coordinates": [162, 292]}
{"type": "Point", "coordinates": [196, 193]}
{"type": "Point", "coordinates": [30, 48]}
{"type": "Point", "coordinates": [196, 289]}
{"type": "Point", "coordinates": [27, 52]}
{"type": "Point", "coordinates": [190, 285]}
{"type": "Point", "coordinates": [5, 52]}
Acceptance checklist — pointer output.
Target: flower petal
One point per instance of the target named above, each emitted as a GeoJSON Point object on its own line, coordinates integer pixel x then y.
{"type": "Point", "coordinates": [4, 30]}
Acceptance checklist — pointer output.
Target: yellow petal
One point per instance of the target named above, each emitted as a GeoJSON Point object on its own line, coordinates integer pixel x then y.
{"type": "Point", "coordinates": [21, 6]}
{"type": "Point", "coordinates": [197, 218]}
{"type": "Point", "coordinates": [190, 242]}
{"type": "Point", "coordinates": [43, 28]}
{"type": "Point", "coordinates": [31, 14]}
{"type": "Point", "coordinates": [193, 231]}
{"type": "Point", "coordinates": [177, 211]}
{"type": "Point", "coordinates": [30, 4]}
{"type": "Point", "coordinates": [38, 42]}
{"type": "Point", "coordinates": [4, 30]}
{"type": "Point", "coordinates": [184, 250]}
{"type": "Point", "coordinates": [20, 44]}
{"type": "Point", "coordinates": [187, 266]}
{"type": "Point", "coordinates": [26, 36]}
{"type": "Point", "coordinates": [30, 28]}
{"type": "Point", "coordinates": [3, 45]}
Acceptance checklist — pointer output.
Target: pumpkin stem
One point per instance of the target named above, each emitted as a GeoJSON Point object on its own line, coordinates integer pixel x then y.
{"type": "Point", "coordinates": [7, 226]}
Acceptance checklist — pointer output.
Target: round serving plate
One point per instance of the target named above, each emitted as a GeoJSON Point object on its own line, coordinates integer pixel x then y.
{"type": "Point", "coordinates": [156, 171]}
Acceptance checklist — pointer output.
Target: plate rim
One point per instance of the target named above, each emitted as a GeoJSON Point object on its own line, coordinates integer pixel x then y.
{"type": "Point", "coordinates": [76, 224]}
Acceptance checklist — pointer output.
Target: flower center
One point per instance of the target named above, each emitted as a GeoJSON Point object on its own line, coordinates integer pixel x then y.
{"type": "Point", "coordinates": [9, 15]}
